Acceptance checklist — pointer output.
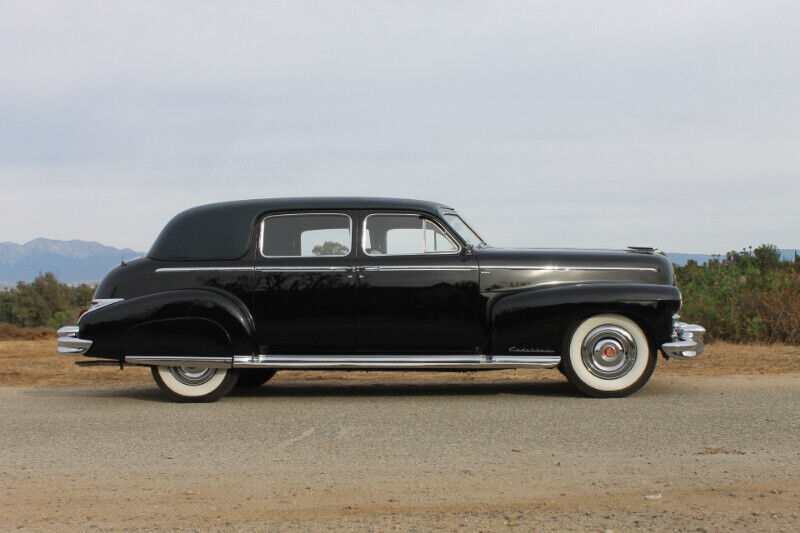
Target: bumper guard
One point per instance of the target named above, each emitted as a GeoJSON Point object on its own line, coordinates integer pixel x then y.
{"type": "Point", "coordinates": [70, 344]}
{"type": "Point", "coordinates": [687, 341]}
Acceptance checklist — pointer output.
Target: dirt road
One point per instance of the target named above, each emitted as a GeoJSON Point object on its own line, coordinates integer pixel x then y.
{"type": "Point", "coordinates": [686, 452]}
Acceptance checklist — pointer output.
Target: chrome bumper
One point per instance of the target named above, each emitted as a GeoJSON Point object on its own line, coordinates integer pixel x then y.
{"type": "Point", "coordinates": [69, 343]}
{"type": "Point", "coordinates": [686, 343]}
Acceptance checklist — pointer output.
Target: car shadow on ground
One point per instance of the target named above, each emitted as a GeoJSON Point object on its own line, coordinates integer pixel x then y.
{"type": "Point", "coordinates": [335, 388]}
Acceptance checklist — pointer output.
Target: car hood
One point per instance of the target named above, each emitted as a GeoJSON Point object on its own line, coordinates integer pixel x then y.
{"type": "Point", "coordinates": [576, 259]}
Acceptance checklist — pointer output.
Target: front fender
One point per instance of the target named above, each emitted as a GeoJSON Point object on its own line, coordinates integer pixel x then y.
{"type": "Point", "coordinates": [180, 322]}
{"type": "Point", "coordinates": [536, 321]}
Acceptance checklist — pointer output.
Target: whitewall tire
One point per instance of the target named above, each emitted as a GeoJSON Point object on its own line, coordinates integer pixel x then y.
{"type": "Point", "coordinates": [608, 355]}
{"type": "Point", "coordinates": [191, 384]}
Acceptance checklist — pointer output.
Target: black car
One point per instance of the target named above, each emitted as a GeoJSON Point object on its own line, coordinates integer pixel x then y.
{"type": "Point", "coordinates": [235, 291]}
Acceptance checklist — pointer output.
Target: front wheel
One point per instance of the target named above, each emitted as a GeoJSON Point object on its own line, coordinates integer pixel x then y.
{"type": "Point", "coordinates": [608, 356]}
{"type": "Point", "coordinates": [194, 384]}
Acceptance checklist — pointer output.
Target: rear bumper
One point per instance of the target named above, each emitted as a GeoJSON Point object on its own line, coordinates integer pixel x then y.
{"type": "Point", "coordinates": [686, 343]}
{"type": "Point", "coordinates": [70, 344]}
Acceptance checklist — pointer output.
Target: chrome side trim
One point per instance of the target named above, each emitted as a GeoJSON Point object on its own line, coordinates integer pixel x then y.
{"type": "Point", "coordinates": [528, 267]}
{"type": "Point", "coordinates": [384, 268]}
{"type": "Point", "coordinates": [540, 361]}
{"type": "Point", "coordinates": [198, 362]}
{"type": "Point", "coordinates": [305, 269]}
{"type": "Point", "coordinates": [376, 362]}
{"type": "Point", "coordinates": [394, 361]}
{"type": "Point", "coordinates": [200, 269]}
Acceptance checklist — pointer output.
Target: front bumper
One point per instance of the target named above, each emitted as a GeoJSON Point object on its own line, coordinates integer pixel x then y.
{"type": "Point", "coordinates": [686, 343]}
{"type": "Point", "coordinates": [70, 344]}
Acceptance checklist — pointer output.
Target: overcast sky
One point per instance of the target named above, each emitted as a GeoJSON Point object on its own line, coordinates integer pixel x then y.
{"type": "Point", "coordinates": [671, 124]}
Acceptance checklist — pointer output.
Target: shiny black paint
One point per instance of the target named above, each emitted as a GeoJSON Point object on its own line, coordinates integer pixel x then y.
{"type": "Point", "coordinates": [490, 306]}
{"type": "Point", "coordinates": [419, 311]}
{"type": "Point", "coordinates": [536, 321]}
{"type": "Point", "coordinates": [199, 322]}
{"type": "Point", "coordinates": [305, 312]}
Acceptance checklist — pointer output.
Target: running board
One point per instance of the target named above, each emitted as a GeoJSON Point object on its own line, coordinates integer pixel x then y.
{"type": "Point", "coordinates": [364, 362]}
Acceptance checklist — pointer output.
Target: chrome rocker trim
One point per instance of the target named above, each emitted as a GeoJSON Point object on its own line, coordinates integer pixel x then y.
{"type": "Point", "coordinates": [364, 362]}
{"type": "Point", "coordinates": [687, 341]}
{"type": "Point", "coordinates": [70, 344]}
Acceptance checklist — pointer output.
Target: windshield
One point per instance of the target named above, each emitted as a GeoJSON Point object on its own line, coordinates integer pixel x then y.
{"type": "Point", "coordinates": [463, 230]}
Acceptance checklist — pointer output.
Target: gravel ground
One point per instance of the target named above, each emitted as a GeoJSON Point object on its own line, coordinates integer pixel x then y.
{"type": "Point", "coordinates": [685, 453]}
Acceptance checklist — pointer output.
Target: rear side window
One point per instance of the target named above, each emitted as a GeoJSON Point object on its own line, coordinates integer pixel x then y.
{"type": "Point", "coordinates": [306, 235]}
{"type": "Point", "coordinates": [401, 234]}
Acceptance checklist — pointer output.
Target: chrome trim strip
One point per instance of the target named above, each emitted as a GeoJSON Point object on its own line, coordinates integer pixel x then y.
{"type": "Point", "coordinates": [449, 235]}
{"type": "Point", "coordinates": [199, 269]}
{"type": "Point", "coordinates": [305, 269]}
{"type": "Point", "coordinates": [261, 234]}
{"type": "Point", "coordinates": [68, 331]}
{"type": "Point", "coordinates": [542, 361]}
{"type": "Point", "coordinates": [526, 267]}
{"type": "Point", "coordinates": [394, 361]}
{"type": "Point", "coordinates": [380, 268]}
{"type": "Point", "coordinates": [160, 360]}
{"type": "Point", "coordinates": [455, 362]}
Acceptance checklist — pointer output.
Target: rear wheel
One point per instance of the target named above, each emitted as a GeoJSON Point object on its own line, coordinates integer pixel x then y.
{"type": "Point", "coordinates": [253, 378]}
{"type": "Point", "coordinates": [194, 384]}
{"type": "Point", "coordinates": [608, 356]}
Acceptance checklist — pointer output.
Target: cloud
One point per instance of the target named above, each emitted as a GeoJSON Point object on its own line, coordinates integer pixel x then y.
{"type": "Point", "coordinates": [577, 124]}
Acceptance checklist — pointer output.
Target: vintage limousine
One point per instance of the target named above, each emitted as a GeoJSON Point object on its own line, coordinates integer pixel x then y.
{"type": "Point", "coordinates": [232, 292]}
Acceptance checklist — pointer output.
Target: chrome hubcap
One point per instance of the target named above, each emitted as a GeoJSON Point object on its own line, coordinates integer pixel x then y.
{"type": "Point", "coordinates": [608, 352]}
{"type": "Point", "coordinates": [190, 375]}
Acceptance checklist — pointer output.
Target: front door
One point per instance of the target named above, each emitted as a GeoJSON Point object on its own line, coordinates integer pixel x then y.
{"type": "Point", "coordinates": [303, 297]}
{"type": "Point", "coordinates": [417, 290]}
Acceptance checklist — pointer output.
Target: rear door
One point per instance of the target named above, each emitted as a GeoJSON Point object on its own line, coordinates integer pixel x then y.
{"type": "Point", "coordinates": [303, 297]}
{"type": "Point", "coordinates": [418, 290]}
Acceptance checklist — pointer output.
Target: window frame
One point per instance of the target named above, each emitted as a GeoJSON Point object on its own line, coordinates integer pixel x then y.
{"type": "Point", "coordinates": [263, 222]}
{"type": "Point", "coordinates": [467, 224]}
{"type": "Point", "coordinates": [424, 216]}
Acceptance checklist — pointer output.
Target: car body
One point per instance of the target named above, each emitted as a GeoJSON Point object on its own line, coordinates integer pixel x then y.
{"type": "Point", "coordinates": [245, 288]}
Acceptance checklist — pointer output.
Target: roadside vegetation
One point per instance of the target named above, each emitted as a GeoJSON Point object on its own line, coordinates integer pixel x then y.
{"type": "Point", "coordinates": [746, 296]}
{"type": "Point", "coordinates": [749, 296]}
{"type": "Point", "coordinates": [45, 302]}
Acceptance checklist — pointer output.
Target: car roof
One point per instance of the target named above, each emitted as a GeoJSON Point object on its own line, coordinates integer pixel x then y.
{"type": "Point", "coordinates": [331, 202]}
{"type": "Point", "coordinates": [222, 230]}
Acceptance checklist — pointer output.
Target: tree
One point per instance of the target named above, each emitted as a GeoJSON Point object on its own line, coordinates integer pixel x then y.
{"type": "Point", "coordinates": [330, 248]}
{"type": "Point", "coordinates": [767, 257]}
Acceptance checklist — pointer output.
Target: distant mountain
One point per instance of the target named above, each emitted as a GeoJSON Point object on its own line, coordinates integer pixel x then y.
{"type": "Point", "coordinates": [71, 261]}
{"type": "Point", "coordinates": [681, 259]}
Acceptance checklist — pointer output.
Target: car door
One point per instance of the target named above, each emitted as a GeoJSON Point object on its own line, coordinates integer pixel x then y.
{"type": "Point", "coordinates": [417, 287]}
{"type": "Point", "coordinates": [303, 297]}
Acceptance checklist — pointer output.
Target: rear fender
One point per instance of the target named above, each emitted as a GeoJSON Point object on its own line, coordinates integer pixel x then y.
{"type": "Point", "coordinates": [536, 321]}
{"type": "Point", "coordinates": [181, 322]}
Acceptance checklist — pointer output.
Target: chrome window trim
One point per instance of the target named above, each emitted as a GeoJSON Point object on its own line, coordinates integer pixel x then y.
{"type": "Point", "coordinates": [449, 211]}
{"type": "Point", "coordinates": [555, 268]}
{"type": "Point", "coordinates": [275, 215]}
{"type": "Point", "coordinates": [448, 234]}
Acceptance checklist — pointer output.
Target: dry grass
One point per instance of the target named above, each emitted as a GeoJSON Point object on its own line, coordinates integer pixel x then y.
{"type": "Point", "coordinates": [36, 363]}
{"type": "Point", "coordinates": [9, 332]}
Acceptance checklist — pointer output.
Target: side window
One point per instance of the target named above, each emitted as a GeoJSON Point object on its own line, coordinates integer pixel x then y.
{"type": "Point", "coordinates": [392, 234]}
{"type": "Point", "coordinates": [306, 235]}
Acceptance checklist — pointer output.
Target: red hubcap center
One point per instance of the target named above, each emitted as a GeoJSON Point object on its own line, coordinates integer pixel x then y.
{"type": "Point", "coordinates": [609, 351]}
